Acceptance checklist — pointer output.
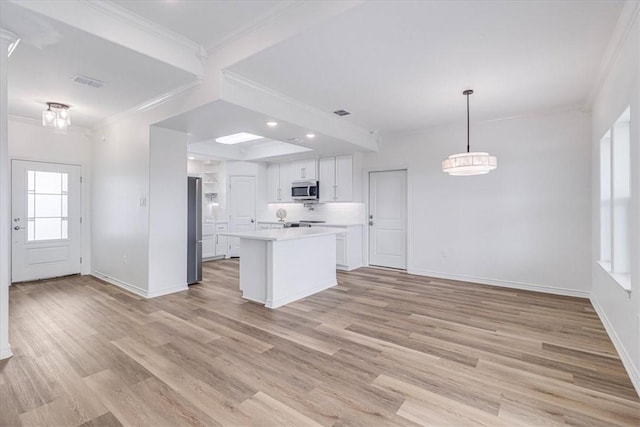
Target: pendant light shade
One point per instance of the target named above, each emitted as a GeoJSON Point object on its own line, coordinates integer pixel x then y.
{"type": "Point", "coordinates": [469, 163]}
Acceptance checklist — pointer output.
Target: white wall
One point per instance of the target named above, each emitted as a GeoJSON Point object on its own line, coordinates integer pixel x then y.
{"type": "Point", "coordinates": [526, 224]}
{"type": "Point", "coordinates": [28, 140]}
{"type": "Point", "coordinates": [167, 212]}
{"type": "Point", "coordinates": [120, 182]}
{"type": "Point", "coordinates": [619, 310]}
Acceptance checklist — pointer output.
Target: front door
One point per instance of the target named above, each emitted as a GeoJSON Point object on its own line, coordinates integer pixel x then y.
{"type": "Point", "coordinates": [242, 208]}
{"type": "Point", "coordinates": [388, 219]}
{"type": "Point", "coordinates": [46, 209]}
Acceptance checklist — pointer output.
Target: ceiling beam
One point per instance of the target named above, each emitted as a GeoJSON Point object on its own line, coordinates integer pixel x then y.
{"type": "Point", "coordinates": [117, 25]}
{"type": "Point", "coordinates": [246, 93]}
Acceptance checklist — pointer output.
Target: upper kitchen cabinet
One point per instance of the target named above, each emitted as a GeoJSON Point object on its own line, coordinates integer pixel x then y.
{"type": "Point", "coordinates": [304, 169]}
{"type": "Point", "coordinates": [336, 179]}
{"type": "Point", "coordinates": [279, 182]}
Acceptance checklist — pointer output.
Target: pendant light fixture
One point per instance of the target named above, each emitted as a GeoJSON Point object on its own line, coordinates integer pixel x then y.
{"type": "Point", "coordinates": [469, 163]}
{"type": "Point", "coordinates": [57, 117]}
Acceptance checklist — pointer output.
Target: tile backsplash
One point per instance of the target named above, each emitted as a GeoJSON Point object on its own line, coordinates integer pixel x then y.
{"type": "Point", "coordinates": [329, 212]}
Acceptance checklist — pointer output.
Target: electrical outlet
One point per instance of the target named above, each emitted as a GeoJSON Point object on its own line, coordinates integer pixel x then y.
{"type": "Point", "coordinates": [124, 259]}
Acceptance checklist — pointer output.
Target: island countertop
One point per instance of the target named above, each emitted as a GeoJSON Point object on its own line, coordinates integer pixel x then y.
{"type": "Point", "coordinates": [285, 233]}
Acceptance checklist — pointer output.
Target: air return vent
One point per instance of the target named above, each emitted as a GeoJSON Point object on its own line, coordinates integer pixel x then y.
{"type": "Point", "coordinates": [341, 112]}
{"type": "Point", "coordinates": [89, 81]}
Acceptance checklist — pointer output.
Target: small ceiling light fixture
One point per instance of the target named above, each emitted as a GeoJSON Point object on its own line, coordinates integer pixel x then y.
{"type": "Point", "coordinates": [237, 138]}
{"type": "Point", "coordinates": [469, 163]}
{"type": "Point", "coordinates": [311, 135]}
{"type": "Point", "coordinates": [272, 123]}
{"type": "Point", "coordinates": [56, 116]}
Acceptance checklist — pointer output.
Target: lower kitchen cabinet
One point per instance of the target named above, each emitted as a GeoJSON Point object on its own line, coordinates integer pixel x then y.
{"type": "Point", "coordinates": [349, 248]}
{"type": "Point", "coordinates": [221, 242]}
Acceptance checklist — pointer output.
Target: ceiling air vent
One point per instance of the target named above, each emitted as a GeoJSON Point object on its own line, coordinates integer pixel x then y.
{"type": "Point", "coordinates": [89, 81]}
{"type": "Point", "coordinates": [341, 113]}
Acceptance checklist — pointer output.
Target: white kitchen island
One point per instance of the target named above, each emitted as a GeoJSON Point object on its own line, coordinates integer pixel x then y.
{"type": "Point", "coordinates": [279, 266]}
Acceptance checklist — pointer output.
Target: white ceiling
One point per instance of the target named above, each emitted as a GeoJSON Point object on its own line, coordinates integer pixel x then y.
{"type": "Point", "coordinates": [50, 54]}
{"type": "Point", "coordinates": [402, 65]}
{"type": "Point", "coordinates": [208, 23]}
{"type": "Point", "coordinates": [395, 65]}
{"type": "Point", "coordinates": [222, 118]}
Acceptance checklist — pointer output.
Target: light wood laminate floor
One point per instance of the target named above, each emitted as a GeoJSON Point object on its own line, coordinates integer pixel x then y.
{"type": "Point", "coordinates": [382, 348]}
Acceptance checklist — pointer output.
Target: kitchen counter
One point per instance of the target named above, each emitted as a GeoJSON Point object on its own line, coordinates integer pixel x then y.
{"type": "Point", "coordinates": [286, 233]}
{"type": "Point", "coordinates": [317, 224]}
{"type": "Point", "coordinates": [279, 266]}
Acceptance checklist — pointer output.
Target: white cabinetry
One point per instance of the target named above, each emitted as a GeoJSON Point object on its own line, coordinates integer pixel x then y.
{"type": "Point", "coordinates": [279, 182]}
{"type": "Point", "coordinates": [221, 242]}
{"type": "Point", "coordinates": [208, 240]}
{"type": "Point", "coordinates": [349, 248]}
{"type": "Point", "coordinates": [304, 169]}
{"type": "Point", "coordinates": [336, 179]}
{"type": "Point", "coordinates": [214, 245]}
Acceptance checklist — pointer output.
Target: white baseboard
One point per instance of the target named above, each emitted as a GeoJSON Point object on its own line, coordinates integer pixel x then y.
{"type": "Point", "coordinates": [270, 303]}
{"type": "Point", "coordinates": [167, 291]}
{"type": "Point", "coordinates": [137, 290]}
{"type": "Point", "coordinates": [6, 353]}
{"type": "Point", "coordinates": [503, 283]}
{"type": "Point", "coordinates": [119, 283]}
{"type": "Point", "coordinates": [632, 370]}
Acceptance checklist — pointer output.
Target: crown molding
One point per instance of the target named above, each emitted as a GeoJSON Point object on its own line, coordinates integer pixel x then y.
{"type": "Point", "coordinates": [37, 122]}
{"type": "Point", "coordinates": [247, 93]}
{"type": "Point", "coordinates": [116, 24]}
{"type": "Point", "coordinates": [124, 15]}
{"type": "Point", "coordinates": [147, 105]}
{"type": "Point", "coordinates": [627, 18]}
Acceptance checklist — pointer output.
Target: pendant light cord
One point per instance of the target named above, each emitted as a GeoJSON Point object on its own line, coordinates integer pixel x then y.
{"type": "Point", "coordinates": [467, 121]}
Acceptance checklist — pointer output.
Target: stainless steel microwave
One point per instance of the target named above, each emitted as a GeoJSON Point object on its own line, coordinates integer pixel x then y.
{"type": "Point", "coordinates": [305, 190]}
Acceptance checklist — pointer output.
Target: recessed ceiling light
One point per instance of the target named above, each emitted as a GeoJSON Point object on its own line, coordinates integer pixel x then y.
{"type": "Point", "coordinates": [191, 158]}
{"type": "Point", "coordinates": [311, 135]}
{"type": "Point", "coordinates": [237, 138]}
{"type": "Point", "coordinates": [272, 123]}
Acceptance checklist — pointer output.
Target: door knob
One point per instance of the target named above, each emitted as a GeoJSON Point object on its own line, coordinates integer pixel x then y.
{"type": "Point", "coordinates": [16, 219]}
{"type": "Point", "coordinates": [252, 221]}
{"type": "Point", "coordinates": [17, 227]}
{"type": "Point", "coordinates": [370, 222]}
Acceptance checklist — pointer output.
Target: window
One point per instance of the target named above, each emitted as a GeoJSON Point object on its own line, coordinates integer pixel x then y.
{"type": "Point", "coordinates": [615, 199]}
{"type": "Point", "coordinates": [47, 205]}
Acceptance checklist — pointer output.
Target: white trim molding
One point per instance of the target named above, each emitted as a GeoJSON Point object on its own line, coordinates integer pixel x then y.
{"type": "Point", "coordinates": [148, 104]}
{"type": "Point", "coordinates": [627, 361]}
{"type": "Point", "coordinates": [502, 283]}
{"type": "Point", "coordinates": [630, 12]}
{"type": "Point", "coordinates": [120, 26]}
{"type": "Point", "coordinates": [249, 94]}
{"type": "Point", "coordinates": [136, 289]}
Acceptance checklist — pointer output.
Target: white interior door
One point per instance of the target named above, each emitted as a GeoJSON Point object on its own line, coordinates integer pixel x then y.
{"type": "Point", "coordinates": [242, 208]}
{"type": "Point", "coordinates": [46, 209]}
{"type": "Point", "coordinates": [388, 219]}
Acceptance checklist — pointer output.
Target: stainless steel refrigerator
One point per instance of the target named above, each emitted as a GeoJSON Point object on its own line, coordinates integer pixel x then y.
{"type": "Point", "coordinates": [194, 230]}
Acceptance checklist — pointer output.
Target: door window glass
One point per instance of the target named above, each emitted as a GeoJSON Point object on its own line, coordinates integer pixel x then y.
{"type": "Point", "coordinates": [47, 208]}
